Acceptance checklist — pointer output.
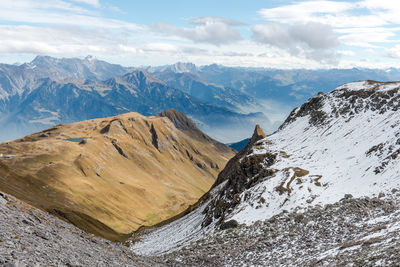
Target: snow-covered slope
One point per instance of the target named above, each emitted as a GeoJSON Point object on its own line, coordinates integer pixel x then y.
{"type": "Point", "coordinates": [345, 142]}
{"type": "Point", "coordinates": [176, 234]}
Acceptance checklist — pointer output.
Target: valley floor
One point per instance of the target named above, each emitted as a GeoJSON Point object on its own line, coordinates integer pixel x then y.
{"type": "Point", "coordinates": [352, 232]}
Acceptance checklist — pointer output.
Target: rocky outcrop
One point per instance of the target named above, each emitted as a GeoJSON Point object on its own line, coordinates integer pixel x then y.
{"type": "Point", "coordinates": [271, 168]}
{"type": "Point", "coordinates": [232, 164]}
{"type": "Point", "coordinates": [241, 172]}
{"type": "Point", "coordinates": [119, 149]}
{"type": "Point", "coordinates": [154, 137]}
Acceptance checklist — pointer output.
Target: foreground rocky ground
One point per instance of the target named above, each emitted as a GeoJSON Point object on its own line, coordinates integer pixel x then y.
{"type": "Point", "coordinates": [30, 237]}
{"type": "Point", "coordinates": [356, 232]}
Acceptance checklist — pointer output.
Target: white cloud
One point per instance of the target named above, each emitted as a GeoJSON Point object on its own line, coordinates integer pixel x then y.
{"type": "Point", "coordinates": [311, 34]}
{"type": "Point", "coordinates": [213, 19]}
{"type": "Point", "coordinates": [57, 12]}
{"type": "Point", "coordinates": [368, 37]}
{"type": "Point", "coordinates": [127, 49]}
{"type": "Point", "coordinates": [49, 6]}
{"type": "Point", "coordinates": [212, 30]}
{"type": "Point", "coordinates": [366, 40]}
{"type": "Point", "coordinates": [313, 40]}
{"type": "Point", "coordinates": [380, 4]}
{"type": "Point", "coordinates": [50, 40]}
{"type": "Point", "coordinates": [315, 35]}
{"type": "Point", "coordinates": [305, 11]}
{"type": "Point", "coordinates": [160, 47]}
{"type": "Point", "coordinates": [347, 53]}
{"type": "Point", "coordinates": [363, 23]}
{"type": "Point", "coordinates": [95, 3]}
{"type": "Point", "coordinates": [393, 52]}
{"type": "Point", "coordinates": [338, 14]}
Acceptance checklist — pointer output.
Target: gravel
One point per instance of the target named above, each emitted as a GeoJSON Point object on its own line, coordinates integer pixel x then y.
{"type": "Point", "coordinates": [31, 237]}
{"type": "Point", "coordinates": [356, 232]}
{"type": "Point", "coordinates": [353, 231]}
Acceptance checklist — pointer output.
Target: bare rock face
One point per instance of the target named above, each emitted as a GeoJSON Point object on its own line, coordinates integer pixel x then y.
{"type": "Point", "coordinates": [240, 173]}
{"type": "Point", "coordinates": [229, 225]}
{"type": "Point", "coordinates": [258, 134]}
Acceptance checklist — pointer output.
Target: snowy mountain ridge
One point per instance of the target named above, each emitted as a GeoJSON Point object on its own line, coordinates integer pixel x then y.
{"type": "Point", "coordinates": [345, 142]}
{"type": "Point", "coordinates": [339, 145]}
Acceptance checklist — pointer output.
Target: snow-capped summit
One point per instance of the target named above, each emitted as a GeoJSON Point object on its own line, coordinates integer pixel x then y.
{"type": "Point", "coordinates": [179, 67]}
{"type": "Point", "coordinates": [369, 85]}
{"type": "Point", "coordinates": [344, 142]}
{"type": "Point", "coordinates": [90, 58]}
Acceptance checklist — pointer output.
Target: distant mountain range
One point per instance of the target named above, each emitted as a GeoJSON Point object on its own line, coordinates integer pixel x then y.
{"type": "Point", "coordinates": [289, 86]}
{"type": "Point", "coordinates": [50, 91]}
{"type": "Point", "coordinates": [239, 145]}
{"type": "Point", "coordinates": [225, 102]}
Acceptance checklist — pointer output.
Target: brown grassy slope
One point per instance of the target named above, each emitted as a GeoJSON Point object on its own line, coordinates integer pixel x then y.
{"type": "Point", "coordinates": [130, 171]}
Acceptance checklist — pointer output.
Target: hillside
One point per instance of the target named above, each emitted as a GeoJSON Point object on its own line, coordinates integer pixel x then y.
{"type": "Point", "coordinates": [342, 145]}
{"type": "Point", "coordinates": [110, 176]}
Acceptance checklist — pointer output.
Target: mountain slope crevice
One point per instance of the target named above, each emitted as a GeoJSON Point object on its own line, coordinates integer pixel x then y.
{"type": "Point", "coordinates": [154, 137]}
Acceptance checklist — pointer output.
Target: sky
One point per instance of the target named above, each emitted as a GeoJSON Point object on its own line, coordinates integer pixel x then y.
{"type": "Point", "coordinates": [255, 33]}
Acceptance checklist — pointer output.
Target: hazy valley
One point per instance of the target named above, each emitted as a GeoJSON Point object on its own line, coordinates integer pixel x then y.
{"type": "Point", "coordinates": [225, 102]}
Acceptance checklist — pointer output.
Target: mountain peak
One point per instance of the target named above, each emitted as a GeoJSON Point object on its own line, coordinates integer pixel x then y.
{"type": "Point", "coordinates": [41, 59]}
{"type": "Point", "coordinates": [90, 58]}
{"type": "Point", "coordinates": [258, 133]}
{"type": "Point", "coordinates": [182, 67]}
{"type": "Point", "coordinates": [179, 119]}
{"type": "Point", "coordinates": [140, 77]}
{"type": "Point", "coordinates": [347, 100]}
{"type": "Point", "coordinates": [232, 168]}
{"type": "Point", "coordinates": [368, 85]}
